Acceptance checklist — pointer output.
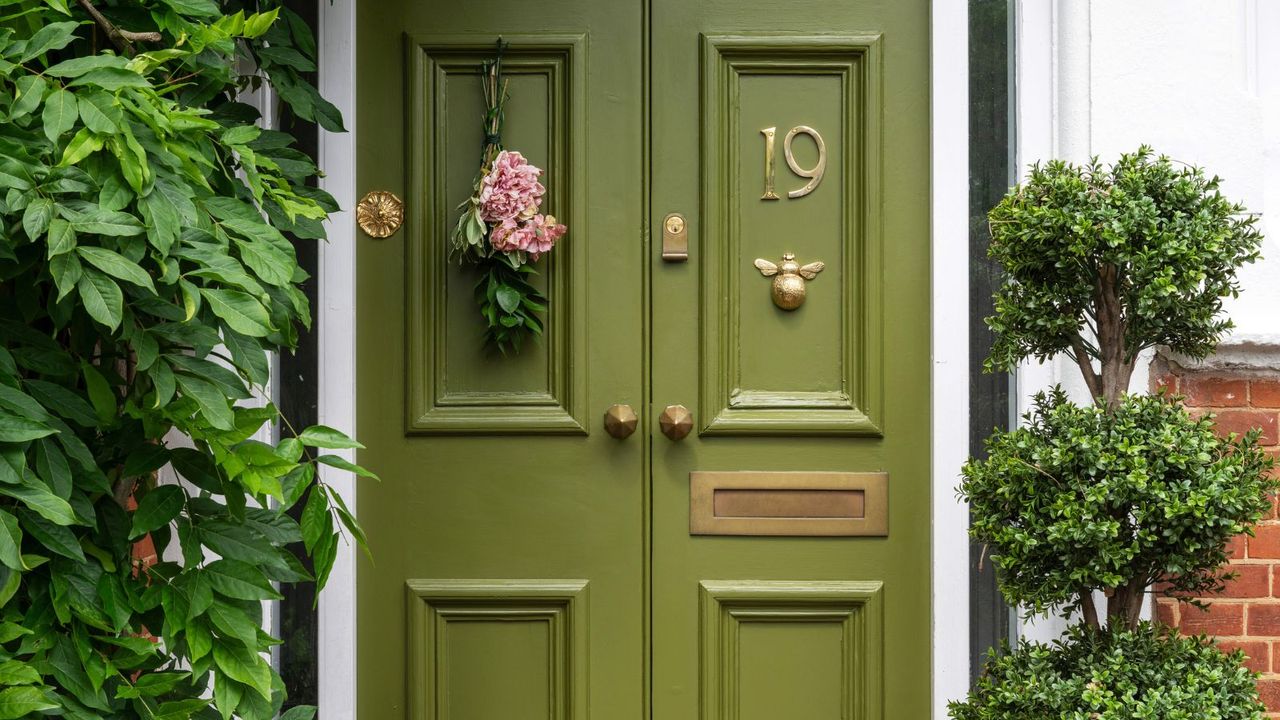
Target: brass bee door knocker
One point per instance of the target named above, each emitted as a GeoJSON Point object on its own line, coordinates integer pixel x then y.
{"type": "Point", "coordinates": [789, 279]}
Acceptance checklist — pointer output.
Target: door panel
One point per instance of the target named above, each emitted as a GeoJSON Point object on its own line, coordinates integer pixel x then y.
{"type": "Point", "coordinates": [839, 385]}
{"type": "Point", "coordinates": [509, 530]}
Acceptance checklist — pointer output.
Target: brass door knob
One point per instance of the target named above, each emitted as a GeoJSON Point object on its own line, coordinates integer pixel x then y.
{"type": "Point", "coordinates": [676, 422]}
{"type": "Point", "coordinates": [620, 421]}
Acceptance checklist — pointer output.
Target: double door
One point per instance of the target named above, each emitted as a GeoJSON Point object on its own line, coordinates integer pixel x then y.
{"type": "Point", "coordinates": [758, 546]}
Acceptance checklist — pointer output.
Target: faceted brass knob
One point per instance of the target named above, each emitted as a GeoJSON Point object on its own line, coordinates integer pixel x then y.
{"type": "Point", "coordinates": [620, 421]}
{"type": "Point", "coordinates": [676, 422]}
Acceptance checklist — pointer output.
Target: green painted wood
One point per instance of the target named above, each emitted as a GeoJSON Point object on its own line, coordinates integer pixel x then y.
{"type": "Point", "coordinates": [455, 385]}
{"type": "Point", "coordinates": [791, 649]}
{"type": "Point", "coordinates": [497, 649]}
{"type": "Point", "coordinates": [497, 475]}
{"type": "Point", "coordinates": [501, 469]}
{"type": "Point", "coordinates": [691, 172]}
{"type": "Point", "coordinates": [767, 371]}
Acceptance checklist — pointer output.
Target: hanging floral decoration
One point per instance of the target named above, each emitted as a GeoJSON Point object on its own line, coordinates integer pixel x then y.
{"type": "Point", "coordinates": [502, 231]}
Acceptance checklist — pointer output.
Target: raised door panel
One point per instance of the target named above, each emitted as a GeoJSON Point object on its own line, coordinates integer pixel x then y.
{"type": "Point", "coordinates": [456, 385]}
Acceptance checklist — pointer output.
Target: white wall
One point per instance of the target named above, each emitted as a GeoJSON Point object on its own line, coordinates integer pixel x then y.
{"type": "Point", "coordinates": [1199, 80]}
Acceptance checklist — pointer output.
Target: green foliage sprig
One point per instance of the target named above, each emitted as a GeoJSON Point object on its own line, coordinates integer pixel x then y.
{"type": "Point", "coordinates": [1082, 499]}
{"type": "Point", "coordinates": [1122, 675]}
{"type": "Point", "coordinates": [144, 278]}
{"type": "Point", "coordinates": [1104, 262]}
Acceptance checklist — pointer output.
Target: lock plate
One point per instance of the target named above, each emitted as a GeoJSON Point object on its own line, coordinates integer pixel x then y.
{"type": "Point", "coordinates": [675, 238]}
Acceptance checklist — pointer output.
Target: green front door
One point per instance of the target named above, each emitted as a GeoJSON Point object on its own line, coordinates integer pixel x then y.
{"type": "Point", "coordinates": [773, 563]}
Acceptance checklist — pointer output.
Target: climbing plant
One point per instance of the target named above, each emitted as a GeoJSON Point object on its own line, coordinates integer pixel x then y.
{"type": "Point", "coordinates": [145, 276]}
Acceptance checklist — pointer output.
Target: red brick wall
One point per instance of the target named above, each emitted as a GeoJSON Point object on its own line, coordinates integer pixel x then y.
{"type": "Point", "coordinates": [1247, 614]}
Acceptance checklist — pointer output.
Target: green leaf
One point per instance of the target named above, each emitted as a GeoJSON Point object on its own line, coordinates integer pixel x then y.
{"type": "Point", "coordinates": [232, 623]}
{"type": "Point", "coordinates": [97, 113]}
{"type": "Point", "coordinates": [77, 66]}
{"type": "Point", "coordinates": [59, 114]}
{"type": "Point", "coordinates": [35, 220]}
{"type": "Point", "coordinates": [107, 222]}
{"type": "Point", "coordinates": [316, 521]}
{"type": "Point", "coordinates": [16, 672]}
{"type": "Point", "coordinates": [241, 134]}
{"type": "Point", "coordinates": [101, 396]}
{"type": "Point", "coordinates": [299, 712]}
{"type": "Point", "coordinates": [110, 79]}
{"type": "Point", "coordinates": [62, 237]}
{"type": "Point", "coordinates": [157, 509]}
{"type": "Point", "coordinates": [36, 496]}
{"type": "Point", "coordinates": [102, 298]}
{"type": "Point", "coordinates": [116, 265]}
{"type": "Point", "coordinates": [258, 23]}
{"type": "Point", "coordinates": [213, 403]}
{"type": "Point", "coordinates": [66, 272]}
{"type": "Point", "coordinates": [53, 36]}
{"type": "Point", "coordinates": [15, 428]}
{"type": "Point", "coordinates": [52, 536]}
{"type": "Point", "coordinates": [240, 581]}
{"type": "Point", "coordinates": [508, 298]}
{"type": "Point", "coordinates": [83, 144]}
{"type": "Point", "coordinates": [198, 8]}
{"type": "Point", "coordinates": [321, 436]}
{"type": "Point", "coordinates": [240, 310]}
{"type": "Point", "coordinates": [30, 91]}
{"type": "Point", "coordinates": [244, 665]}
{"type": "Point", "coordinates": [341, 464]}
{"type": "Point", "coordinates": [21, 701]}
{"type": "Point", "coordinates": [10, 542]}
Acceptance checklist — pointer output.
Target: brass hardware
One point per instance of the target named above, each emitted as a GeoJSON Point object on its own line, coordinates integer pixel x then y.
{"type": "Point", "coordinates": [769, 172]}
{"type": "Point", "coordinates": [620, 421]}
{"type": "Point", "coordinates": [676, 422]}
{"type": "Point", "coordinates": [815, 174]}
{"type": "Point", "coordinates": [380, 214]}
{"type": "Point", "coordinates": [675, 238]}
{"type": "Point", "coordinates": [789, 279]}
{"type": "Point", "coordinates": [789, 503]}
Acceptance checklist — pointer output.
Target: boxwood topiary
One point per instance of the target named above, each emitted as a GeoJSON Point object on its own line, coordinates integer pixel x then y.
{"type": "Point", "coordinates": [1090, 498]}
{"type": "Point", "coordinates": [1138, 674]}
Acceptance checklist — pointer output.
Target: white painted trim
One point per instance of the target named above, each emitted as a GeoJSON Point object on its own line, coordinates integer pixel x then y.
{"type": "Point", "coordinates": [949, 111]}
{"type": "Point", "coordinates": [949, 422]}
{"type": "Point", "coordinates": [336, 332]}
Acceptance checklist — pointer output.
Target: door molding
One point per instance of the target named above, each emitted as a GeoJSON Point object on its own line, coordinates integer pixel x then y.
{"type": "Point", "coordinates": [336, 321]}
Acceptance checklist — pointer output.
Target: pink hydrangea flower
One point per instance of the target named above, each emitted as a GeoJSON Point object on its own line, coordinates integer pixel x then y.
{"type": "Point", "coordinates": [546, 231]}
{"type": "Point", "coordinates": [510, 190]}
{"type": "Point", "coordinates": [534, 236]}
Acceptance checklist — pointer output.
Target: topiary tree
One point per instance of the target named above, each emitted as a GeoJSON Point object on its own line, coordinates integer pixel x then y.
{"type": "Point", "coordinates": [1104, 500]}
{"type": "Point", "coordinates": [1139, 673]}
{"type": "Point", "coordinates": [144, 278]}
{"type": "Point", "coordinates": [1084, 498]}
{"type": "Point", "coordinates": [1105, 262]}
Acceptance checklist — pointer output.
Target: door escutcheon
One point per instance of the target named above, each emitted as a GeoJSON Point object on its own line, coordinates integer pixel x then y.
{"type": "Point", "coordinates": [675, 238]}
{"type": "Point", "coordinates": [380, 214]}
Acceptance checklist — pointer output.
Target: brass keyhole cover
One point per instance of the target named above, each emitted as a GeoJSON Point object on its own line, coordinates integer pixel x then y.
{"type": "Point", "coordinates": [380, 214]}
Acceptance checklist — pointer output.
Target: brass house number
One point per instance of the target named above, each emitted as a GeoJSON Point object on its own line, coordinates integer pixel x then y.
{"type": "Point", "coordinates": [814, 174]}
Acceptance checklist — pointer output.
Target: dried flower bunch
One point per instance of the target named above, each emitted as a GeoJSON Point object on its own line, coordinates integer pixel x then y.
{"type": "Point", "coordinates": [501, 229]}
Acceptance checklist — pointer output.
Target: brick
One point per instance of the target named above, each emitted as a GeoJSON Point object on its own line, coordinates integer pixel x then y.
{"type": "Point", "coordinates": [1264, 620]}
{"type": "Point", "coordinates": [1242, 421]}
{"type": "Point", "coordinates": [1236, 547]}
{"type": "Point", "coordinates": [1251, 581]}
{"type": "Point", "coordinates": [1167, 611]}
{"type": "Point", "coordinates": [1264, 393]}
{"type": "Point", "coordinates": [1265, 542]}
{"type": "Point", "coordinates": [1269, 691]}
{"type": "Point", "coordinates": [1209, 391]}
{"type": "Point", "coordinates": [1218, 619]}
{"type": "Point", "coordinates": [1257, 653]}
{"type": "Point", "coordinates": [1167, 380]}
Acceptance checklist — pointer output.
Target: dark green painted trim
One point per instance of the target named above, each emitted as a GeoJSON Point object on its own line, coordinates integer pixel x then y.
{"type": "Point", "coordinates": [432, 408]}
{"type": "Point", "coordinates": [729, 408]}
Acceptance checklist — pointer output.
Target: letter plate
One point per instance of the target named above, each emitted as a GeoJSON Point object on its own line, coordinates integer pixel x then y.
{"type": "Point", "coordinates": [831, 504]}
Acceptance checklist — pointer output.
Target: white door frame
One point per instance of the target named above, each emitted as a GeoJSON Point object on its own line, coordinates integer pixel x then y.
{"type": "Point", "coordinates": [949, 427]}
